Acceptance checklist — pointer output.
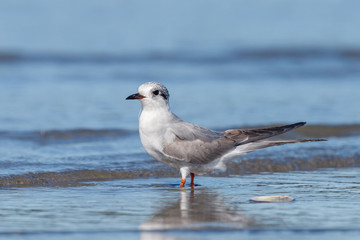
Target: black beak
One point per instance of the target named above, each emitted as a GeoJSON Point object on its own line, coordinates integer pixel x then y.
{"type": "Point", "coordinates": [135, 96]}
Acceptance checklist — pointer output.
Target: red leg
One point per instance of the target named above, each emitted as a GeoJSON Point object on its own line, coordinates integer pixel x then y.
{"type": "Point", "coordinates": [192, 175]}
{"type": "Point", "coordinates": [182, 183]}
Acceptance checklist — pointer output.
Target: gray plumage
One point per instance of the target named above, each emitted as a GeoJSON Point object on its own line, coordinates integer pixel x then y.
{"type": "Point", "coordinates": [198, 145]}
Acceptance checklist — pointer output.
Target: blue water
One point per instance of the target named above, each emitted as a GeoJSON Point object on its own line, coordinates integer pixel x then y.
{"type": "Point", "coordinates": [71, 162]}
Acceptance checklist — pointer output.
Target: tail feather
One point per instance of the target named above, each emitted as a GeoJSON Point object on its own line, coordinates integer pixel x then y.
{"type": "Point", "coordinates": [241, 136]}
{"type": "Point", "coordinates": [264, 144]}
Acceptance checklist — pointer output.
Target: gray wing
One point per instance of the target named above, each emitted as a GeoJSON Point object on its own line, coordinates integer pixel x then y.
{"type": "Point", "coordinates": [198, 145]}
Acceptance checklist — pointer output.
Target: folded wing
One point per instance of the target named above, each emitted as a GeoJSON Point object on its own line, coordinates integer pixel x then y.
{"type": "Point", "coordinates": [198, 145]}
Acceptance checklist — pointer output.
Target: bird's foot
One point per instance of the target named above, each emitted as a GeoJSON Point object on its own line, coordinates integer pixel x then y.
{"type": "Point", "coordinates": [192, 184]}
{"type": "Point", "coordinates": [182, 183]}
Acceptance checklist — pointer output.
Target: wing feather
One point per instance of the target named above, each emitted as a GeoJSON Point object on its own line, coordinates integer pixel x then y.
{"type": "Point", "coordinates": [198, 145]}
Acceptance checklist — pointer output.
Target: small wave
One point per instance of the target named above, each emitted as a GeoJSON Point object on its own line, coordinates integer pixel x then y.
{"type": "Point", "coordinates": [65, 135]}
{"type": "Point", "coordinates": [251, 166]}
{"type": "Point", "coordinates": [76, 177]}
{"type": "Point", "coordinates": [308, 131]}
{"type": "Point", "coordinates": [229, 56]}
{"type": "Point", "coordinates": [80, 133]}
{"type": "Point", "coordinates": [260, 165]}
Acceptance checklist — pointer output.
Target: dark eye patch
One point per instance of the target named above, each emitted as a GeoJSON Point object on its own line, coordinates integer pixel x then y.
{"type": "Point", "coordinates": [156, 92]}
{"type": "Point", "coordinates": [164, 96]}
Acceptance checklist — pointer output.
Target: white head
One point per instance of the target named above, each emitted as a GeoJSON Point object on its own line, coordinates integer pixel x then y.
{"type": "Point", "coordinates": [152, 94]}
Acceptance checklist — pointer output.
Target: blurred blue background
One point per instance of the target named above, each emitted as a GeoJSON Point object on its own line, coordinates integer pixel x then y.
{"type": "Point", "coordinates": [70, 64]}
{"type": "Point", "coordinates": [67, 66]}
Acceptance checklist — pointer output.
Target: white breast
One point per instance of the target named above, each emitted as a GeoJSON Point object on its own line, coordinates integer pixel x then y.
{"type": "Point", "coordinates": [152, 128]}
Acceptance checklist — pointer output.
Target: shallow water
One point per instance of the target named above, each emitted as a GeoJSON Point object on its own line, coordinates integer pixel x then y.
{"type": "Point", "coordinates": [71, 162]}
{"type": "Point", "coordinates": [218, 207]}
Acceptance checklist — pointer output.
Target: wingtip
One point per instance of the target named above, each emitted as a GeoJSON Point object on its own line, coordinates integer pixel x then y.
{"type": "Point", "coordinates": [320, 140]}
{"type": "Point", "coordinates": [313, 140]}
{"type": "Point", "coordinates": [298, 124]}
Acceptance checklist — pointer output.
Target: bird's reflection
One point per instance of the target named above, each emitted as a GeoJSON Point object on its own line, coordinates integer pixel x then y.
{"type": "Point", "coordinates": [197, 209]}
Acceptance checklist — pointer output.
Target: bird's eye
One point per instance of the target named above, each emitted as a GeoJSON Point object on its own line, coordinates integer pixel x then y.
{"type": "Point", "coordinates": [156, 92]}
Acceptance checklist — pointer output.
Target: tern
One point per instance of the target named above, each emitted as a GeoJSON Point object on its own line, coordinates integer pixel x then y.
{"type": "Point", "coordinates": [191, 148]}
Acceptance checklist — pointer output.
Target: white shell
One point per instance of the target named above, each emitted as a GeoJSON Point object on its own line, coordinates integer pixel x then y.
{"type": "Point", "coordinates": [275, 198]}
